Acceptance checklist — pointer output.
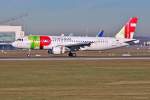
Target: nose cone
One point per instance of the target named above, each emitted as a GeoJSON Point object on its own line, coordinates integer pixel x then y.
{"type": "Point", "coordinates": [14, 44]}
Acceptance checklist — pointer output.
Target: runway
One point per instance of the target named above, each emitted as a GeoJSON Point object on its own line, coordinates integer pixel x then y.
{"type": "Point", "coordinates": [74, 58]}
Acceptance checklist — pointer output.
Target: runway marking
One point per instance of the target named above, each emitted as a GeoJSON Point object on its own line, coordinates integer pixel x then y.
{"type": "Point", "coordinates": [75, 58]}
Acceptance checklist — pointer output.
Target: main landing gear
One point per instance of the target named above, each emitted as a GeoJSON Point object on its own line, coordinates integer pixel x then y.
{"type": "Point", "coordinates": [72, 54]}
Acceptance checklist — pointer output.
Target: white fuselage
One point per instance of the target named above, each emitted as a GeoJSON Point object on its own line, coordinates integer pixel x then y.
{"type": "Point", "coordinates": [97, 43]}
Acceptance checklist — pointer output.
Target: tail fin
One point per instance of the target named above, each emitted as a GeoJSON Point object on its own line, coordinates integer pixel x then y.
{"type": "Point", "coordinates": [128, 29]}
{"type": "Point", "coordinates": [100, 34]}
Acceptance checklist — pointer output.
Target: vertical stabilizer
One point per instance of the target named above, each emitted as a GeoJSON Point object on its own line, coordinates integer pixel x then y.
{"type": "Point", "coordinates": [128, 30]}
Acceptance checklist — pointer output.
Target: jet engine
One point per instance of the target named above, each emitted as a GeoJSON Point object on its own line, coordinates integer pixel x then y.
{"type": "Point", "coordinates": [57, 50]}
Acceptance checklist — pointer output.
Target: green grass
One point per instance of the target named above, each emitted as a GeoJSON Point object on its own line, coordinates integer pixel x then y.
{"type": "Point", "coordinates": [75, 80]}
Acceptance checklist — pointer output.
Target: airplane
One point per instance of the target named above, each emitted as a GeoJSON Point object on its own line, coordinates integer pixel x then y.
{"type": "Point", "coordinates": [71, 44]}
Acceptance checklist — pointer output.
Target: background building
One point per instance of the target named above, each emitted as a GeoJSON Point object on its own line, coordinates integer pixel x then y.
{"type": "Point", "coordinates": [8, 34]}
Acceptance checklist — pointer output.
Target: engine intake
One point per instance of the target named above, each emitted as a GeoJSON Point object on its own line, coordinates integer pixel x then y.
{"type": "Point", "coordinates": [57, 50]}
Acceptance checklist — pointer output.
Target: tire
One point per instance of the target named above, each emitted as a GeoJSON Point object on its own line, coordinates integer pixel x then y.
{"type": "Point", "coordinates": [72, 54]}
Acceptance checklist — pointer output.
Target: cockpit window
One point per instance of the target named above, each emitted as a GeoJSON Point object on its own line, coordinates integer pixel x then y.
{"type": "Point", "coordinates": [19, 39]}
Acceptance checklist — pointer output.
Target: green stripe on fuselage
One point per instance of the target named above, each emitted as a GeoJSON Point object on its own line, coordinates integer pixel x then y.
{"type": "Point", "coordinates": [35, 42]}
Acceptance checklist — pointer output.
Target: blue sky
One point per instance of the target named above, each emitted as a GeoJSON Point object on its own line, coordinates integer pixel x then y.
{"type": "Point", "coordinates": [77, 16]}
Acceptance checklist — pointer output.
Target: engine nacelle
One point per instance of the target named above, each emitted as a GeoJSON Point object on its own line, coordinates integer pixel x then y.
{"type": "Point", "coordinates": [57, 50]}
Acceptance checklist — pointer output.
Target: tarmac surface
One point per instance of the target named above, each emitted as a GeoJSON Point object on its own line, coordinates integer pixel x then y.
{"type": "Point", "coordinates": [73, 58]}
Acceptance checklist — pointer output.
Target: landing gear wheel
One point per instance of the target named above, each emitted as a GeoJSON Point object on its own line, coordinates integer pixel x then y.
{"type": "Point", "coordinates": [72, 54]}
{"type": "Point", "coordinates": [29, 53]}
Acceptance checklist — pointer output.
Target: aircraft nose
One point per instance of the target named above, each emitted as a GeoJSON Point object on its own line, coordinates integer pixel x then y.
{"type": "Point", "coordinates": [14, 44]}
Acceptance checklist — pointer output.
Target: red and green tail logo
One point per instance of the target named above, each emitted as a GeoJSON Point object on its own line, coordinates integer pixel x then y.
{"type": "Point", "coordinates": [130, 28]}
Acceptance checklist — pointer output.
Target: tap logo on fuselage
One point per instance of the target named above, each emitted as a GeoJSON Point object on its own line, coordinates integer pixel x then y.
{"type": "Point", "coordinates": [38, 42]}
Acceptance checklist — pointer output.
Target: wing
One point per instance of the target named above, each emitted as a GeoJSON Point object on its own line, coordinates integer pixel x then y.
{"type": "Point", "coordinates": [76, 47]}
